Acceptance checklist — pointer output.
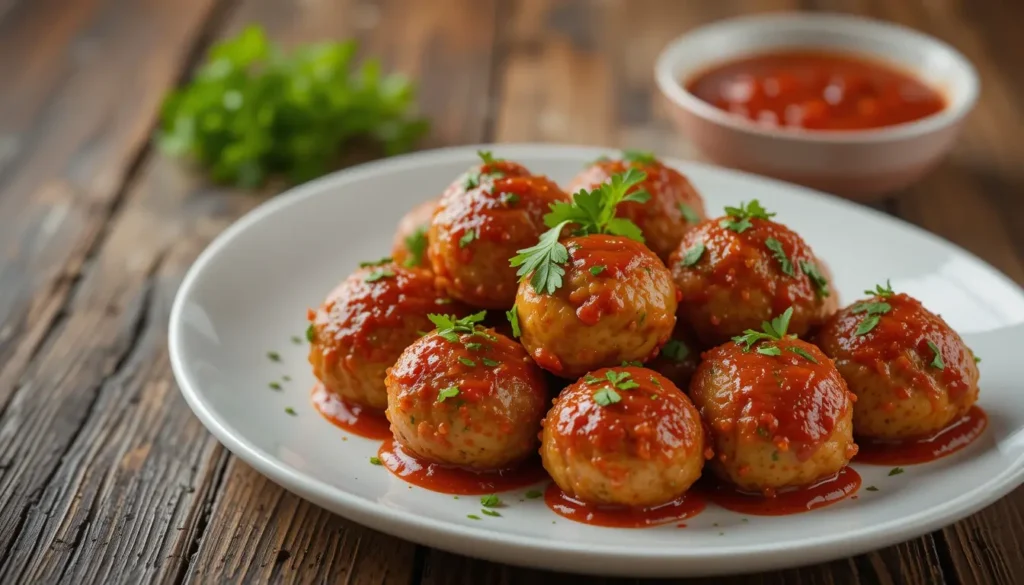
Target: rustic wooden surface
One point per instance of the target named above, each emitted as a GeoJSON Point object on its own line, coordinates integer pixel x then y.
{"type": "Point", "coordinates": [105, 475]}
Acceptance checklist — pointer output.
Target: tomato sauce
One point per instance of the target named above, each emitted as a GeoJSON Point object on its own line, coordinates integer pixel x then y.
{"type": "Point", "coordinates": [456, 480]}
{"type": "Point", "coordinates": [949, 440]}
{"type": "Point", "coordinates": [686, 506]}
{"type": "Point", "coordinates": [816, 91]}
{"type": "Point", "coordinates": [794, 501]}
{"type": "Point", "coordinates": [354, 418]}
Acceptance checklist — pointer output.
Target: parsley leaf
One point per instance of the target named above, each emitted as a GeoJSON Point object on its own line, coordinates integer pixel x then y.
{"type": "Point", "coordinates": [817, 278]}
{"type": "Point", "coordinates": [606, 396]}
{"type": "Point", "coordinates": [595, 270]}
{"type": "Point", "coordinates": [644, 157]}
{"type": "Point", "coordinates": [621, 380]}
{"type": "Point", "coordinates": [895, 471]}
{"type": "Point", "coordinates": [416, 244]}
{"type": "Point", "coordinates": [866, 325]}
{"type": "Point", "coordinates": [874, 311]}
{"type": "Point", "coordinates": [467, 362]}
{"type": "Point", "coordinates": [675, 350]}
{"type": "Point", "coordinates": [513, 318]}
{"type": "Point", "coordinates": [591, 379]}
{"type": "Point", "coordinates": [254, 111]}
{"type": "Point", "coordinates": [544, 261]}
{"type": "Point", "coordinates": [467, 237]}
{"type": "Point", "coordinates": [534, 494]}
{"type": "Point", "coordinates": [509, 199]}
{"type": "Point", "coordinates": [693, 255]}
{"type": "Point", "coordinates": [770, 331]}
{"type": "Point", "coordinates": [449, 392]}
{"type": "Point", "coordinates": [802, 353]}
{"type": "Point", "coordinates": [937, 360]}
{"type": "Point", "coordinates": [379, 275]}
{"type": "Point", "coordinates": [490, 363]}
{"type": "Point", "coordinates": [689, 214]}
{"type": "Point", "coordinates": [311, 333]}
{"type": "Point", "coordinates": [593, 212]}
{"type": "Point", "coordinates": [633, 363]}
{"type": "Point", "coordinates": [738, 218]}
{"type": "Point", "coordinates": [493, 513]}
{"type": "Point", "coordinates": [769, 350]}
{"type": "Point", "coordinates": [381, 262]}
{"type": "Point", "coordinates": [490, 501]}
{"type": "Point", "coordinates": [376, 461]}
{"type": "Point", "coordinates": [450, 326]}
{"type": "Point", "coordinates": [881, 291]}
{"type": "Point", "coordinates": [488, 157]}
{"type": "Point", "coordinates": [776, 248]}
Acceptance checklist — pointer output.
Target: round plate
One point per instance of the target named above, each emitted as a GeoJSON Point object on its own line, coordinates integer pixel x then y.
{"type": "Point", "coordinates": [247, 295]}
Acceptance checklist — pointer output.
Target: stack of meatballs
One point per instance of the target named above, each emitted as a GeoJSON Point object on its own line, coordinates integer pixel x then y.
{"type": "Point", "coordinates": [629, 337]}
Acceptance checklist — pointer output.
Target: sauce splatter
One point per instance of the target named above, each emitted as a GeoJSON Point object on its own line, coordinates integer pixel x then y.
{"type": "Point", "coordinates": [949, 440]}
{"type": "Point", "coordinates": [794, 501]}
{"type": "Point", "coordinates": [354, 418]}
{"type": "Point", "coordinates": [457, 480]}
{"type": "Point", "coordinates": [686, 506]}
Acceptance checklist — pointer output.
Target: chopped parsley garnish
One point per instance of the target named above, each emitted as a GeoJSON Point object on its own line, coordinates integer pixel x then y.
{"type": "Point", "coordinates": [416, 244]}
{"type": "Point", "coordinates": [689, 214]}
{"type": "Point", "coordinates": [655, 382]}
{"type": "Point", "coordinates": [488, 157]}
{"type": "Point", "coordinates": [881, 291]}
{"type": "Point", "coordinates": [937, 360]}
{"type": "Point", "coordinates": [802, 353]}
{"type": "Point", "coordinates": [771, 331]}
{"type": "Point", "coordinates": [376, 461]}
{"type": "Point", "coordinates": [509, 199]}
{"type": "Point", "coordinates": [290, 410]}
{"type": "Point", "coordinates": [644, 157]}
{"type": "Point", "coordinates": [274, 386]}
{"type": "Point", "coordinates": [606, 396]}
{"type": "Point", "coordinates": [379, 275]}
{"type": "Point", "coordinates": [472, 181]}
{"type": "Point", "coordinates": [490, 363]}
{"type": "Point", "coordinates": [513, 318]}
{"type": "Point", "coordinates": [534, 494]}
{"type": "Point", "coordinates": [490, 501]}
{"type": "Point", "coordinates": [296, 339]}
{"type": "Point", "coordinates": [738, 218]}
{"type": "Point", "coordinates": [449, 392]}
{"type": "Point", "coordinates": [780, 255]}
{"type": "Point", "coordinates": [311, 333]}
{"type": "Point", "coordinates": [286, 378]}
{"type": "Point", "coordinates": [977, 359]}
{"type": "Point", "coordinates": [591, 379]}
{"type": "Point", "coordinates": [381, 262]}
{"type": "Point", "coordinates": [490, 513]}
{"type": "Point", "coordinates": [474, 346]}
{"type": "Point", "coordinates": [871, 488]}
{"type": "Point", "coordinates": [595, 270]}
{"type": "Point", "coordinates": [675, 350]}
{"type": "Point", "coordinates": [895, 471]}
{"type": "Point", "coordinates": [693, 255]}
{"type": "Point", "coordinates": [449, 326]}
{"type": "Point", "coordinates": [621, 380]}
{"type": "Point", "coordinates": [817, 278]}
{"type": "Point", "coordinates": [769, 350]}
{"type": "Point", "coordinates": [633, 363]}
{"type": "Point", "coordinates": [472, 517]}
{"type": "Point", "coordinates": [467, 238]}
{"type": "Point", "coordinates": [873, 311]}
{"type": "Point", "coordinates": [273, 356]}
{"type": "Point", "coordinates": [467, 362]}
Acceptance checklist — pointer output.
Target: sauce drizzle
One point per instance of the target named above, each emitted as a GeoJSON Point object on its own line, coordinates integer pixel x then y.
{"type": "Point", "coordinates": [824, 493]}
{"type": "Point", "coordinates": [951, 439]}
{"type": "Point", "coordinates": [686, 506]}
{"type": "Point", "coordinates": [354, 418]}
{"type": "Point", "coordinates": [456, 480]}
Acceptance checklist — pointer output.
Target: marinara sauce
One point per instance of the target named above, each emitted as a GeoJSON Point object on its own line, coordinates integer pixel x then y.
{"type": "Point", "coordinates": [816, 90]}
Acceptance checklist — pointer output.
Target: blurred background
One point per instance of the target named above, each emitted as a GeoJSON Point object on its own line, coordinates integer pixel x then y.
{"type": "Point", "coordinates": [106, 197]}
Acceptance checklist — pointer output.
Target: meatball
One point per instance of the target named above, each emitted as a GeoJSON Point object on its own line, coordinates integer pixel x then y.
{"type": "Point", "coordinates": [623, 436]}
{"type": "Point", "coordinates": [467, 397]}
{"type": "Point", "coordinates": [673, 208]}
{"type": "Point", "coordinates": [735, 274]}
{"type": "Point", "coordinates": [911, 372]}
{"type": "Point", "coordinates": [775, 421]}
{"type": "Point", "coordinates": [679, 357]}
{"type": "Point", "coordinates": [410, 243]}
{"type": "Point", "coordinates": [365, 323]}
{"type": "Point", "coordinates": [483, 219]}
{"type": "Point", "coordinates": [617, 304]}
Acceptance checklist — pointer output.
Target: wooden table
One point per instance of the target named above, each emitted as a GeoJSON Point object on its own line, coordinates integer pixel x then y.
{"type": "Point", "coordinates": [105, 475]}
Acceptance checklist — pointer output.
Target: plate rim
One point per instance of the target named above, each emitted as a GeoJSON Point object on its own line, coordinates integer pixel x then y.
{"type": "Point", "coordinates": [524, 550]}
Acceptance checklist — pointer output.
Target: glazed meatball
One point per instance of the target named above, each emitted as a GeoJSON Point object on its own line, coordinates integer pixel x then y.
{"type": "Point", "coordinates": [617, 304]}
{"type": "Point", "coordinates": [483, 219]}
{"type": "Point", "coordinates": [735, 274]}
{"type": "Point", "coordinates": [775, 421]}
{"type": "Point", "coordinates": [679, 357]}
{"type": "Point", "coordinates": [365, 324]}
{"type": "Point", "coordinates": [623, 436]}
{"type": "Point", "coordinates": [673, 208]}
{"type": "Point", "coordinates": [911, 373]}
{"type": "Point", "coordinates": [410, 243]}
{"type": "Point", "coordinates": [472, 399]}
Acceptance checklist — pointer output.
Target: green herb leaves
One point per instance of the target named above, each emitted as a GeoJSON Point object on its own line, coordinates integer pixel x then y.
{"type": "Point", "coordinates": [513, 319]}
{"type": "Point", "coordinates": [380, 274]}
{"type": "Point", "coordinates": [416, 244]}
{"type": "Point", "coordinates": [817, 278]}
{"type": "Point", "coordinates": [544, 261]}
{"type": "Point", "coordinates": [738, 218]}
{"type": "Point", "coordinates": [450, 326]}
{"type": "Point", "coordinates": [689, 214]}
{"type": "Point", "coordinates": [487, 157]}
{"type": "Point", "coordinates": [643, 157]}
{"type": "Point", "coordinates": [253, 110]}
{"type": "Point", "coordinates": [873, 311]}
{"type": "Point", "coordinates": [311, 333]}
{"type": "Point", "coordinates": [675, 350]}
{"type": "Point", "coordinates": [802, 353]}
{"type": "Point", "coordinates": [770, 331]}
{"type": "Point", "coordinates": [595, 270]}
{"type": "Point", "coordinates": [608, 395]}
{"type": "Point", "coordinates": [936, 362]}
{"type": "Point", "coordinates": [381, 262]}
{"type": "Point", "coordinates": [449, 392]}
{"type": "Point", "coordinates": [490, 501]}
{"type": "Point", "coordinates": [881, 291]}
{"type": "Point", "coordinates": [467, 238]}
{"type": "Point", "coordinates": [780, 255]}
{"type": "Point", "coordinates": [692, 256]}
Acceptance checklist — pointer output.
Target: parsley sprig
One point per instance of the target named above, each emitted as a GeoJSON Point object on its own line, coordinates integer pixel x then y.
{"type": "Point", "coordinates": [608, 395]}
{"type": "Point", "coordinates": [450, 326]}
{"type": "Point", "coordinates": [872, 309]}
{"type": "Point", "coordinates": [590, 212]}
{"type": "Point", "coordinates": [738, 218]}
{"type": "Point", "coordinates": [780, 255]}
{"type": "Point", "coordinates": [644, 157]}
{"type": "Point", "coordinates": [817, 278]}
{"type": "Point", "coordinates": [416, 244]}
{"type": "Point", "coordinates": [775, 330]}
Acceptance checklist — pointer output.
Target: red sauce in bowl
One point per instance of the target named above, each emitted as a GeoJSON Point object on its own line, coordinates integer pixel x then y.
{"type": "Point", "coordinates": [817, 91]}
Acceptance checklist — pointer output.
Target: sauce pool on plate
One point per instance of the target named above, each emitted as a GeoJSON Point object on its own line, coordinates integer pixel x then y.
{"type": "Point", "coordinates": [949, 440]}
{"type": "Point", "coordinates": [353, 418]}
{"type": "Point", "coordinates": [824, 493]}
{"type": "Point", "coordinates": [686, 506]}
{"type": "Point", "coordinates": [816, 91]}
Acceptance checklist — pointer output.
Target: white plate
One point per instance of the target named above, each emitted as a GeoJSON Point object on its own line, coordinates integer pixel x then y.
{"type": "Point", "coordinates": [247, 294]}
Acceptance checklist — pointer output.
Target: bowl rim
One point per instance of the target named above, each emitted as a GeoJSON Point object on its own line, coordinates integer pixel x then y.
{"type": "Point", "coordinates": [673, 88]}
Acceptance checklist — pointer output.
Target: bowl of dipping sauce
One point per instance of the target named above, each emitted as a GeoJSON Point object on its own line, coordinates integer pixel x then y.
{"type": "Point", "coordinates": [843, 104]}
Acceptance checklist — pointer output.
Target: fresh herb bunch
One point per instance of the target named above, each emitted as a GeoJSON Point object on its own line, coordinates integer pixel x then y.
{"type": "Point", "coordinates": [253, 111]}
{"type": "Point", "coordinates": [590, 212]}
